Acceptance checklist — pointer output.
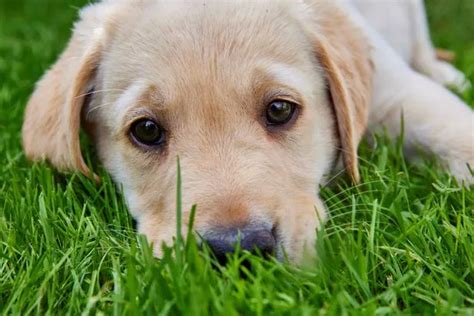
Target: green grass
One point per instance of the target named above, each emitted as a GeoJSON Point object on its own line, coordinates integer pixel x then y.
{"type": "Point", "coordinates": [401, 242]}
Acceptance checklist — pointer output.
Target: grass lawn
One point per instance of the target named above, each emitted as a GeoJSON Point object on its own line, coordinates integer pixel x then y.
{"type": "Point", "coordinates": [401, 242]}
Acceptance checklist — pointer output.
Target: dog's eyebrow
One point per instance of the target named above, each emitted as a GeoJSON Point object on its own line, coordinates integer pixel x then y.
{"type": "Point", "coordinates": [299, 82]}
{"type": "Point", "coordinates": [138, 95]}
{"type": "Point", "coordinates": [129, 98]}
{"type": "Point", "coordinates": [286, 74]}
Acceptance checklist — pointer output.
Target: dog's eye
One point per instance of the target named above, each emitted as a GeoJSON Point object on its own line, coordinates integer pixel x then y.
{"type": "Point", "coordinates": [147, 132]}
{"type": "Point", "coordinates": [280, 112]}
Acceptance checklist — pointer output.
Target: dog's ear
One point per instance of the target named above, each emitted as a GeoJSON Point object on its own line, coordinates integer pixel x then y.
{"type": "Point", "coordinates": [344, 53]}
{"type": "Point", "coordinates": [53, 115]}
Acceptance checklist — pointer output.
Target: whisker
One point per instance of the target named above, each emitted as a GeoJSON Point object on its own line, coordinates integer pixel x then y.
{"type": "Point", "coordinates": [90, 110]}
{"type": "Point", "coordinates": [349, 197]}
{"type": "Point", "coordinates": [355, 187]}
{"type": "Point", "coordinates": [91, 92]}
{"type": "Point", "coordinates": [335, 176]}
{"type": "Point", "coordinates": [361, 210]}
{"type": "Point", "coordinates": [362, 159]}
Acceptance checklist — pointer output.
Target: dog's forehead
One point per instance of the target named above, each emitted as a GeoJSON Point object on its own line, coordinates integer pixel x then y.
{"type": "Point", "coordinates": [168, 42]}
{"type": "Point", "coordinates": [211, 63]}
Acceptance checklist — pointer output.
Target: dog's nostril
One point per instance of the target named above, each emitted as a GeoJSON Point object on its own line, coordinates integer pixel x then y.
{"type": "Point", "coordinates": [223, 242]}
{"type": "Point", "coordinates": [261, 240]}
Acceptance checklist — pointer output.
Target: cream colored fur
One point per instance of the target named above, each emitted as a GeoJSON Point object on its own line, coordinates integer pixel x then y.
{"type": "Point", "coordinates": [205, 70]}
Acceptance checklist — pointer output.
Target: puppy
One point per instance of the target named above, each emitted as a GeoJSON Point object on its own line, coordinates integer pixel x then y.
{"type": "Point", "coordinates": [258, 99]}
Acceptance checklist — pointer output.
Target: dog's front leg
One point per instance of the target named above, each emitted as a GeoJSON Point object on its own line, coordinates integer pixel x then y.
{"type": "Point", "coordinates": [435, 119]}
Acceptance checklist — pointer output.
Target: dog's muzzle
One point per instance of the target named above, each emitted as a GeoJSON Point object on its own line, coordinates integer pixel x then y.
{"type": "Point", "coordinates": [254, 239]}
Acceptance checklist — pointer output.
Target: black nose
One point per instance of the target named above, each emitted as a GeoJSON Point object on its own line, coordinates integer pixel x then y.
{"type": "Point", "coordinates": [224, 241]}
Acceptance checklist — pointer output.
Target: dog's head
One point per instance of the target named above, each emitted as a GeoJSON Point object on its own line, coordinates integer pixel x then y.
{"type": "Point", "coordinates": [257, 98]}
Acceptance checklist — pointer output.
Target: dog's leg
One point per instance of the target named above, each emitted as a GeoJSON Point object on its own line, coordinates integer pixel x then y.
{"type": "Point", "coordinates": [435, 119]}
{"type": "Point", "coordinates": [424, 55]}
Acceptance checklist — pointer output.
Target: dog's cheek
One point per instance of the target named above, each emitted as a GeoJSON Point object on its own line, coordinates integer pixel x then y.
{"type": "Point", "coordinates": [131, 177]}
{"type": "Point", "coordinates": [298, 228]}
{"type": "Point", "coordinates": [311, 147]}
{"type": "Point", "coordinates": [157, 230]}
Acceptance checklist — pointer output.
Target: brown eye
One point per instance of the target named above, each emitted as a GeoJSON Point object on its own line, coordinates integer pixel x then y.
{"type": "Point", "coordinates": [280, 112]}
{"type": "Point", "coordinates": [147, 132]}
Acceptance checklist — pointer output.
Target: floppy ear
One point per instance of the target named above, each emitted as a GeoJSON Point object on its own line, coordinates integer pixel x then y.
{"type": "Point", "coordinates": [344, 53]}
{"type": "Point", "coordinates": [53, 115]}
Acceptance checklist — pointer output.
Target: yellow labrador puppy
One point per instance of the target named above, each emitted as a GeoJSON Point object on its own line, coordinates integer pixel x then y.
{"type": "Point", "coordinates": [257, 98]}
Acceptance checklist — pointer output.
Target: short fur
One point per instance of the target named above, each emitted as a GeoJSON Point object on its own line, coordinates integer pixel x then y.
{"type": "Point", "coordinates": [205, 71]}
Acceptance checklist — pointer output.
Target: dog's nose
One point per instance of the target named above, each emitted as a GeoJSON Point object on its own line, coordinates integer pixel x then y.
{"type": "Point", "coordinates": [224, 241]}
